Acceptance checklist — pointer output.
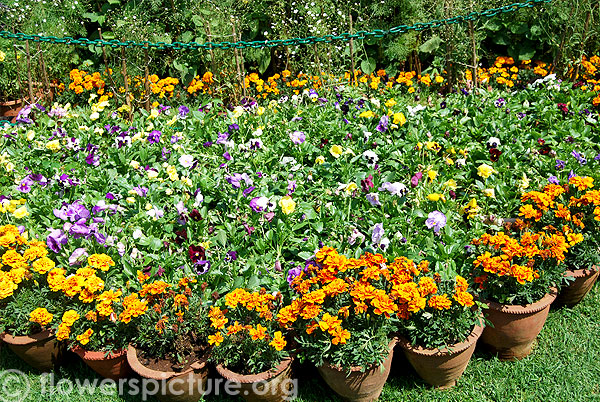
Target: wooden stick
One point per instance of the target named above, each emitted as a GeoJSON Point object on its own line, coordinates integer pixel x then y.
{"type": "Point", "coordinates": [583, 39]}
{"type": "Point", "coordinates": [108, 70]}
{"type": "Point", "coordinates": [146, 80]}
{"type": "Point", "coordinates": [212, 55]}
{"type": "Point", "coordinates": [474, 59]}
{"type": "Point", "coordinates": [318, 63]}
{"type": "Point", "coordinates": [237, 62]}
{"type": "Point", "coordinates": [125, 78]}
{"type": "Point", "coordinates": [44, 71]}
{"type": "Point", "coordinates": [29, 83]}
{"type": "Point", "coordinates": [353, 74]}
{"type": "Point", "coordinates": [17, 64]}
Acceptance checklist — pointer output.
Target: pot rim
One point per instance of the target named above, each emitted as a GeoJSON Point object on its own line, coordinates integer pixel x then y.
{"type": "Point", "coordinates": [95, 355]}
{"type": "Point", "coordinates": [146, 372]}
{"type": "Point", "coordinates": [252, 378]}
{"type": "Point", "coordinates": [354, 369]}
{"type": "Point", "coordinates": [450, 350]}
{"type": "Point", "coordinates": [522, 309]}
{"type": "Point", "coordinates": [580, 273]}
{"type": "Point", "coordinates": [26, 339]}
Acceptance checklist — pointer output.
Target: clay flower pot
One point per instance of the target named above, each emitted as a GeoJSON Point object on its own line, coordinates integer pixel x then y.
{"type": "Point", "coordinates": [185, 386]}
{"type": "Point", "coordinates": [41, 351]}
{"type": "Point", "coordinates": [355, 385]}
{"type": "Point", "coordinates": [270, 386]}
{"type": "Point", "coordinates": [515, 327]}
{"type": "Point", "coordinates": [112, 365]}
{"type": "Point", "coordinates": [9, 110]}
{"type": "Point", "coordinates": [573, 293]}
{"type": "Point", "coordinates": [441, 368]}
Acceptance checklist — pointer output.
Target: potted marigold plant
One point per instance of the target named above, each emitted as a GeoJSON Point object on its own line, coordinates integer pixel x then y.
{"type": "Point", "coordinates": [518, 276]}
{"type": "Point", "coordinates": [248, 346]}
{"type": "Point", "coordinates": [28, 307]}
{"type": "Point", "coordinates": [171, 338]}
{"type": "Point", "coordinates": [342, 315]}
{"type": "Point", "coordinates": [439, 332]}
{"type": "Point", "coordinates": [575, 208]}
{"type": "Point", "coordinates": [96, 315]}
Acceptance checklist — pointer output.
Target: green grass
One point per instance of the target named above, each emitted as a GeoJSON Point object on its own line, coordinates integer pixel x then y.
{"type": "Point", "coordinates": [564, 366]}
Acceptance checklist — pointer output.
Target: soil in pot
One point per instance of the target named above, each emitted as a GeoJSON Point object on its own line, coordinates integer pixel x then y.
{"type": "Point", "coordinates": [441, 368]}
{"type": "Point", "coordinates": [572, 294]}
{"type": "Point", "coordinates": [185, 385]}
{"type": "Point", "coordinates": [275, 385]}
{"type": "Point", "coordinates": [356, 385]}
{"type": "Point", "coordinates": [41, 351]}
{"type": "Point", "coordinates": [515, 327]}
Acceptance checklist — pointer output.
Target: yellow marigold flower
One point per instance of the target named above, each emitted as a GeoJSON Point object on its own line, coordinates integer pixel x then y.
{"type": "Point", "coordinates": [7, 287]}
{"type": "Point", "coordinates": [84, 338]}
{"type": "Point", "coordinates": [101, 261]}
{"type": "Point", "coordinates": [582, 183]}
{"type": "Point", "coordinates": [69, 317]}
{"type": "Point", "coordinates": [63, 332]}
{"type": "Point", "coordinates": [485, 170]}
{"type": "Point", "coordinates": [287, 205]}
{"type": "Point", "coordinates": [336, 151]}
{"type": "Point", "coordinates": [41, 316]}
{"type": "Point", "coordinates": [439, 79]}
{"type": "Point", "coordinates": [43, 265]}
{"type": "Point", "coordinates": [278, 342]}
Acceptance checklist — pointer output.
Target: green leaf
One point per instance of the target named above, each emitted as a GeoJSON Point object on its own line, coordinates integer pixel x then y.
{"type": "Point", "coordinates": [221, 237]}
{"type": "Point", "coordinates": [253, 282]}
{"type": "Point", "coordinates": [305, 255]}
{"type": "Point", "coordinates": [368, 66]}
{"type": "Point", "coordinates": [431, 45]}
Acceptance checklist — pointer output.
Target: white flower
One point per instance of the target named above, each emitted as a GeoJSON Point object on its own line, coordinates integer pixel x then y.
{"type": "Point", "coordinates": [370, 157]}
{"type": "Point", "coordinates": [186, 161]}
{"type": "Point", "coordinates": [198, 199]}
{"type": "Point", "coordinates": [375, 102]}
{"type": "Point", "coordinates": [461, 162]}
{"type": "Point", "coordinates": [137, 234]}
{"type": "Point", "coordinates": [493, 142]}
{"type": "Point", "coordinates": [413, 110]}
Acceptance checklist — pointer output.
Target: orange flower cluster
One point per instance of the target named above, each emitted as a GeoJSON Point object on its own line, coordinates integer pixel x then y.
{"type": "Point", "coordinates": [162, 87]}
{"type": "Point", "coordinates": [23, 259]}
{"type": "Point", "coordinates": [372, 286]}
{"type": "Point", "coordinates": [201, 84]}
{"type": "Point", "coordinates": [241, 306]}
{"type": "Point", "coordinates": [82, 81]}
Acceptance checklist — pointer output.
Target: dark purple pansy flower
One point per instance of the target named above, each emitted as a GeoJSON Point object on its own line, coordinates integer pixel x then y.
{"type": "Point", "coordinates": [196, 253]}
{"type": "Point", "coordinates": [247, 191]}
{"type": "Point", "coordinates": [56, 239]}
{"type": "Point", "coordinates": [202, 267]}
{"type": "Point", "coordinates": [183, 111]}
{"type": "Point", "coordinates": [154, 137]}
{"type": "Point", "coordinates": [560, 165]}
{"type": "Point", "coordinates": [231, 256]}
{"type": "Point", "coordinates": [227, 156]}
{"type": "Point", "coordinates": [367, 184]}
{"type": "Point", "coordinates": [383, 124]}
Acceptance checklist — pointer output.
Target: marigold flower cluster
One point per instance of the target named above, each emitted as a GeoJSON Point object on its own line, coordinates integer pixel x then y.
{"type": "Point", "coordinates": [82, 81]}
{"type": "Point", "coordinates": [357, 289]}
{"type": "Point", "coordinates": [248, 315]}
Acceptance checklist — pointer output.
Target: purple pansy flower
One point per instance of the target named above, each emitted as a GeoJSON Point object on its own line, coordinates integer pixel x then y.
{"type": "Point", "coordinates": [436, 220]}
{"type": "Point", "coordinates": [298, 137]}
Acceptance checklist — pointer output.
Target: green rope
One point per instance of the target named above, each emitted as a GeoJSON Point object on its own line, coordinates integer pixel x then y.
{"type": "Point", "coordinates": [360, 35]}
{"type": "Point", "coordinates": [3, 122]}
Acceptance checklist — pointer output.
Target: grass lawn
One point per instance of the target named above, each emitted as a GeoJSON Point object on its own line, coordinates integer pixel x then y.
{"type": "Point", "coordinates": [565, 366]}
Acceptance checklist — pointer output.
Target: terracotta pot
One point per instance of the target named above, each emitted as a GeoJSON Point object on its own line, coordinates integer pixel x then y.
{"type": "Point", "coordinates": [441, 368]}
{"type": "Point", "coordinates": [269, 386]}
{"type": "Point", "coordinates": [9, 110]}
{"type": "Point", "coordinates": [112, 365]}
{"type": "Point", "coordinates": [185, 386]}
{"type": "Point", "coordinates": [354, 385]}
{"type": "Point", "coordinates": [515, 328]}
{"type": "Point", "coordinates": [41, 351]}
{"type": "Point", "coordinates": [573, 293]}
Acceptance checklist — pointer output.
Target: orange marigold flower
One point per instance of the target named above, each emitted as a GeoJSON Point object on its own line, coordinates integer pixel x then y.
{"type": "Point", "coordinates": [101, 261]}
{"type": "Point", "coordinates": [463, 298]}
{"type": "Point", "coordinates": [461, 284]}
{"type": "Point", "coordinates": [278, 341]}
{"type": "Point", "coordinates": [427, 286]}
{"type": "Point", "coordinates": [329, 322]}
{"type": "Point", "coordinates": [85, 337]}
{"type": "Point", "coordinates": [582, 183]}
{"type": "Point", "coordinates": [259, 332]}
{"type": "Point", "coordinates": [41, 316]}
{"type": "Point", "coordinates": [529, 212]}
{"type": "Point", "coordinates": [340, 335]}
{"type": "Point", "coordinates": [215, 339]}
{"type": "Point", "coordinates": [440, 302]}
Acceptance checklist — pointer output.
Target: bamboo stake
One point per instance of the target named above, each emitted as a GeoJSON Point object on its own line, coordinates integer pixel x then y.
{"type": "Point", "coordinates": [17, 64]}
{"type": "Point", "coordinates": [318, 63]}
{"type": "Point", "coordinates": [29, 83]}
{"type": "Point", "coordinates": [474, 60]}
{"type": "Point", "coordinates": [353, 76]}
{"type": "Point", "coordinates": [125, 78]}
{"type": "Point", "coordinates": [146, 80]}
{"type": "Point", "coordinates": [237, 62]}
{"type": "Point", "coordinates": [44, 71]}
{"type": "Point", "coordinates": [583, 39]}
{"type": "Point", "coordinates": [108, 70]}
{"type": "Point", "coordinates": [212, 55]}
